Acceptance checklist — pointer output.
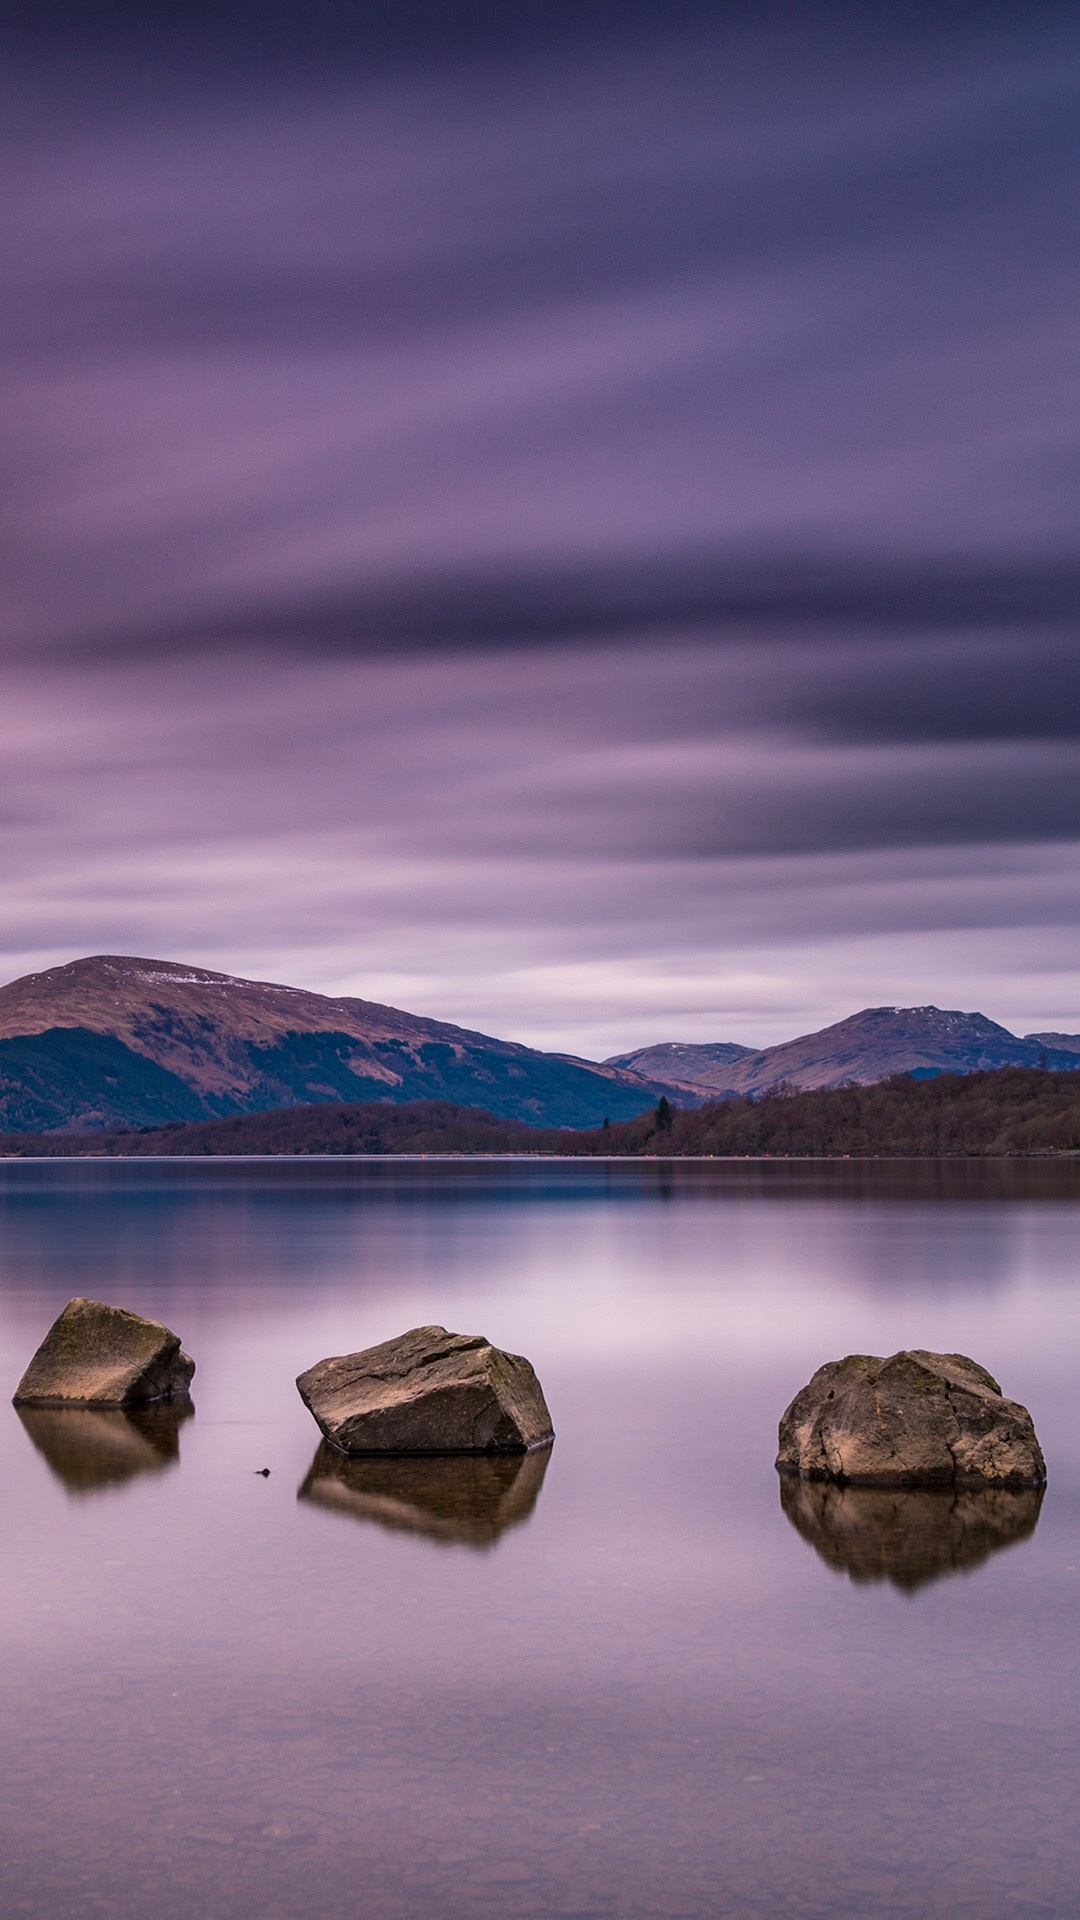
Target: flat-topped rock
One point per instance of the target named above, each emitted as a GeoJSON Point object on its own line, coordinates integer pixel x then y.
{"type": "Point", "coordinates": [100, 1356]}
{"type": "Point", "coordinates": [429, 1391]}
{"type": "Point", "coordinates": [916, 1419]}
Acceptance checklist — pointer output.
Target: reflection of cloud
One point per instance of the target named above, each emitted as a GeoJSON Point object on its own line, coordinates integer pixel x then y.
{"type": "Point", "coordinates": [89, 1448]}
{"type": "Point", "coordinates": [907, 1536]}
{"type": "Point", "coordinates": [469, 1500]}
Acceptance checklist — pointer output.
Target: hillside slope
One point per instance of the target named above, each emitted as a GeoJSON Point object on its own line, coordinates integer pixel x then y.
{"type": "Point", "coordinates": [1011, 1110]}
{"type": "Point", "coordinates": [681, 1061]}
{"type": "Point", "coordinates": [1015, 1110]}
{"type": "Point", "coordinates": [232, 1046]}
{"type": "Point", "coordinates": [871, 1045]}
{"type": "Point", "coordinates": [1055, 1042]}
{"type": "Point", "coordinates": [69, 1077]}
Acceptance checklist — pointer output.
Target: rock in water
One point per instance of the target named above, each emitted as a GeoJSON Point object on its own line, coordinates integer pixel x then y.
{"type": "Point", "coordinates": [429, 1391]}
{"type": "Point", "coordinates": [914, 1420]}
{"type": "Point", "coordinates": [100, 1356]}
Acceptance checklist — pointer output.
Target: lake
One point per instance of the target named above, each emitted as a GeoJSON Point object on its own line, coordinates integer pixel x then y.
{"type": "Point", "coordinates": [623, 1679]}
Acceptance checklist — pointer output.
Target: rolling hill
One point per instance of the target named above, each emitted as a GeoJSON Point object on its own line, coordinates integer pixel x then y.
{"type": "Point", "coordinates": [681, 1062]}
{"type": "Point", "coordinates": [866, 1047]}
{"type": "Point", "coordinates": [1055, 1042]}
{"type": "Point", "coordinates": [117, 1041]}
{"type": "Point", "coordinates": [113, 1040]}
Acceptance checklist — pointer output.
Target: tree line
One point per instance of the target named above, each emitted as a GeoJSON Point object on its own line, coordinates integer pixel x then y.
{"type": "Point", "coordinates": [1014, 1110]}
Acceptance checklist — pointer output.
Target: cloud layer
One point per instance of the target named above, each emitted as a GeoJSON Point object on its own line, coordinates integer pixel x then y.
{"type": "Point", "coordinates": [572, 529]}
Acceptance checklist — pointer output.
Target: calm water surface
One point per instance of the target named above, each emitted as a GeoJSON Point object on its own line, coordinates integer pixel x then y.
{"type": "Point", "coordinates": [621, 1680]}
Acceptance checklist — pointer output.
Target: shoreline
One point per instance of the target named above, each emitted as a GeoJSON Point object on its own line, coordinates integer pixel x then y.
{"type": "Point", "coordinates": [540, 1157]}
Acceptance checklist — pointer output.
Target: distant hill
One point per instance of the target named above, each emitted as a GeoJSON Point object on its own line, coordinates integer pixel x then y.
{"type": "Point", "coordinates": [1055, 1042]}
{"type": "Point", "coordinates": [358, 1127]}
{"type": "Point", "coordinates": [1014, 1110]}
{"type": "Point", "coordinates": [869, 1046]}
{"type": "Point", "coordinates": [681, 1061]}
{"type": "Point", "coordinates": [115, 1040]}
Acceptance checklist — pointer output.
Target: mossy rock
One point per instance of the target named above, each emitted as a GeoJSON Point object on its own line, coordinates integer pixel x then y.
{"type": "Point", "coordinates": [100, 1356]}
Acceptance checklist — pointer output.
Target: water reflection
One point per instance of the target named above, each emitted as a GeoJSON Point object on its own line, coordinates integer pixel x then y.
{"type": "Point", "coordinates": [467, 1500]}
{"type": "Point", "coordinates": [232, 1704]}
{"type": "Point", "coordinates": [907, 1536]}
{"type": "Point", "coordinates": [89, 1448]}
{"type": "Point", "coordinates": [86, 1227]}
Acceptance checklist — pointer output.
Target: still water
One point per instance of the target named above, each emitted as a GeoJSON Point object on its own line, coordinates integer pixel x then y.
{"type": "Point", "coordinates": [623, 1679]}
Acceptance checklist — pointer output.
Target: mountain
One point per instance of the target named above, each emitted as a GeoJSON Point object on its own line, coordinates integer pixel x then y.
{"type": "Point", "coordinates": [69, 1077]}
{"type": "Point", "coordinates": [114, 1040]}
{"type": "Point", "coordinates": [869, 1046]}
{"type": "Point", "coordinates": [1055, 1042]}
{"type": "Point", "coordinates": [681, 1062]}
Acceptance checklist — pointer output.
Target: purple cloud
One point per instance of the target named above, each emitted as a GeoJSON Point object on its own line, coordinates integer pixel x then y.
{"type": "Point", "coordinates": [571, 529]}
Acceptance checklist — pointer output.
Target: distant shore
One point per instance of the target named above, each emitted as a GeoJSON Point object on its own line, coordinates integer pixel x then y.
{"type": "Point", "coordinates": [1014, 1111]}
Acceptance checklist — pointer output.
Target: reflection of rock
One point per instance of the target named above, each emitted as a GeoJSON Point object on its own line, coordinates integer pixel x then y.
{"type": "Point", "coordinates": [468, 1499]}
{"type": "Point", "coordinates": [915, 1420]}
{"type": "Point", "coordinates": [91, 1447]}
{"type": "Point", "coordinates": [100, 1356]}
{"type": "Point", "coordinates": [908, 1535]}
{"type": "Point", "coordinates": [428, 1391]}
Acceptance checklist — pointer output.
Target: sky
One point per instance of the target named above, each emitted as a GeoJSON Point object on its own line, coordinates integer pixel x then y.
{"type": "Point", "coordinates": [561, 518]}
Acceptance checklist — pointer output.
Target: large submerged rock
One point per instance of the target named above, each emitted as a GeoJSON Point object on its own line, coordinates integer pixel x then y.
{"type": "Point", "coordinates": [916, 1419]}
{"type": "Point", "coordinates": [467, 1500]}
{"type": "Point", "coordinates": [429, 1391]}
{"type": "Point", "coordinates": [100, 1356]}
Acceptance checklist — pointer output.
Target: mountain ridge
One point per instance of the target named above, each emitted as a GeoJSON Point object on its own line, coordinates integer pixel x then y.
{"type": "Point", "coordinates": [241, 1045]}
{"type": "Point", "coordinates": [119, 1040]}
{"type": "Point", "coordinates": [863, 1048]}
{"type": "Point", "coordinates": [678, 1060]}
{"type": "Point", "coordinates": [1058, 1042]}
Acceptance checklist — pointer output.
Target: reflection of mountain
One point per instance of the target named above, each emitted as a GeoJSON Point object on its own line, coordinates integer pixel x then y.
{"type": "Point", "coordinates": [461, 1499]}
{"type": "Point", "coordinates": [908, 1536]}
{"type": "Point", "coordinates": [93, 1447]}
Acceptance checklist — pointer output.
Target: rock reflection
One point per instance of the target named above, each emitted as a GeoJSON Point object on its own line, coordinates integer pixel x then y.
{"type": "Point", "coordinates": [907, 1536]}
{"type": "Point", "coordinates": [89, 1448]}
{"type": "Point", "coordinates": [467, 1500]}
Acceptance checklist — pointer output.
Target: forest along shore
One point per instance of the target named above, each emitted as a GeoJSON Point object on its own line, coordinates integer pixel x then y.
{"type": "Point", "coordinates": [1016, 1110]}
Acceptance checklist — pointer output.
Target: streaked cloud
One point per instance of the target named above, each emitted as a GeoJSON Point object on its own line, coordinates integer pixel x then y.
{"type": "Point", "coordinates": [566, 521]}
